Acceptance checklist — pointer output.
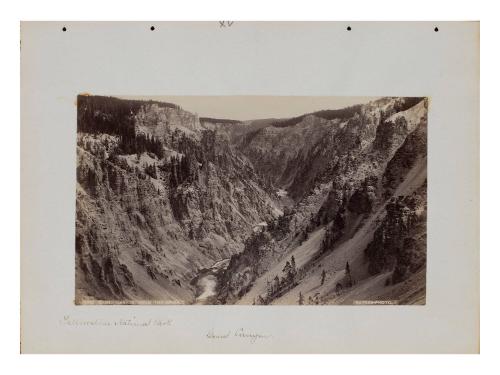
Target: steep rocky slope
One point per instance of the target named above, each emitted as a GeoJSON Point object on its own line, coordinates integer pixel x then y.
{"type": "Point", "coordinates": [359, 189]}
{"type": "Point", "coordinates": [146, 223]}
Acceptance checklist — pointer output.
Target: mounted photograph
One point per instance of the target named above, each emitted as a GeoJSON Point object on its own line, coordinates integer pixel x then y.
{"type": "Point", "coordinates": [251, 200]}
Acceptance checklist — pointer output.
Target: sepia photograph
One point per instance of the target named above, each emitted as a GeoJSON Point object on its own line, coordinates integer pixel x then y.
{"type": "Point", "coordinates": [251, 200]}
{"type": "Point", "coordinates": [249, 187]}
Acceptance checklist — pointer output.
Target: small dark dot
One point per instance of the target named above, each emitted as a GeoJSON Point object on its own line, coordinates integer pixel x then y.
{"type": "Point", "coordinates": [152, 28]}
{"type": "Point", "coordinates": [64, 28]}
{"type": "Point", "coordinates": [436, 29]}
{"type": "Point", "coordinates": [348, 28]}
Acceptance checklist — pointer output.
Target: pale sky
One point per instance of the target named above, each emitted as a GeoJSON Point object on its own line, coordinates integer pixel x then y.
{"type": "Point", "coordinates": [257, 107]}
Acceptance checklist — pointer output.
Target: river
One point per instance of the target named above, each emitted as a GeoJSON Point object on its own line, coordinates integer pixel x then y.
{"type": "Point", "coordinates": [206, 282]}
{"type": "Point", "coordinates": [207, 285]}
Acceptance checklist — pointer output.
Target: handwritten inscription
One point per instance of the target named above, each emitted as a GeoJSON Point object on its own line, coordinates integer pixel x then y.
{"type": "Point", "coordinates": [226, 23]}
{"type": "Point", "coordinates": [239, 333]}
{"type": "Point", "coordinates": [121, 322]}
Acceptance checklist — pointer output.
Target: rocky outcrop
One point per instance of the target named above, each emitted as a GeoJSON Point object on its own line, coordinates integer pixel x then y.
{"type": "Point", "coordinates": [413, 149]}
{"type": "Point", "coordinates": [244, 268]}
{"type": "Point", "coordinates": [399, 244]}
{"type": "Point", "coordinates": [161, 121]}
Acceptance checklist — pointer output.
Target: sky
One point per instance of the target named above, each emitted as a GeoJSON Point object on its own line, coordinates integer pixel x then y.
{"type": "Point", "coordinates": [257, 107]}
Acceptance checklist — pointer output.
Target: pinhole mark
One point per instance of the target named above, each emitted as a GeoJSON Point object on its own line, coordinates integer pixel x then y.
{"type": "Point", "coordinates": [348, 28]}
{"type": "Point", "coordinates": [152, 28]}
{"type": "Point", "coordinates": [64, 28]}
{"type": "Point", "coordinates": [436, 29]}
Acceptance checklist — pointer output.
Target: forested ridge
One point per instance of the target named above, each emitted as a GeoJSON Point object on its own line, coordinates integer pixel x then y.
{"type": "Point", "coordinates": [109, 115]}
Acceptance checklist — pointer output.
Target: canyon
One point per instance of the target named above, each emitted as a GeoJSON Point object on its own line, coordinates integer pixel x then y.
{"type": "Point", "coordinates": [329, 207]}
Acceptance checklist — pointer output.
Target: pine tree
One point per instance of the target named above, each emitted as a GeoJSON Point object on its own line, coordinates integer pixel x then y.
{"type": "Point", "coordinates": [287, 268]}
{"type": "Point", "coordinates": [323, 276]}
{"type": "Point", "coordinates": [288, 271]}
{"type": "Point", "coordinates": [276, 287]}
{"type": "Point", "coordinates": [293, 270]}
{"type": "Point", "coordinates": [301, 298]}
{"type": "Point", "coordinates": [348, 275]}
